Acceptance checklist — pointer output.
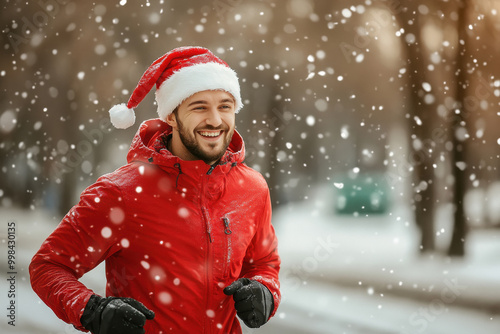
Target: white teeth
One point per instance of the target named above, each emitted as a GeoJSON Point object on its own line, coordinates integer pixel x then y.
{"type": "Point", "coordinates": [210, 134]}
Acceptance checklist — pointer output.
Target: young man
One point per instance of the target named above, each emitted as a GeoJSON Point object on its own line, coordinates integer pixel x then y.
{"type": "Point", "coordinates": [184, 227]}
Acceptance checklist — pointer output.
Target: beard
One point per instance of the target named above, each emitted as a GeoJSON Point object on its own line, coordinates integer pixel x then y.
{"type": "Point", "coordinates": [189, 141]}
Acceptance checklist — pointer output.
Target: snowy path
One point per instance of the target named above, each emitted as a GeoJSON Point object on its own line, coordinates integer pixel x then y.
{"type": "Point", "coordinates": [315, 308]}
{"type": "Point", "coordinates": [314, 244]}
{"type": "Point", "coordinates": [320, 308]}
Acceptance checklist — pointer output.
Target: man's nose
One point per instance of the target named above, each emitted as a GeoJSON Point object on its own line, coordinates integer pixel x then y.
{"type": "Point", "coordinates": [213, 117]}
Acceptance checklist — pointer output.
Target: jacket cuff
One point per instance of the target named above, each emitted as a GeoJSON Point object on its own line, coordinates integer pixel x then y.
{"type": "Point", "coordinates": [77, 322]}
{"type": "Point", "coordinates": [274, 288]}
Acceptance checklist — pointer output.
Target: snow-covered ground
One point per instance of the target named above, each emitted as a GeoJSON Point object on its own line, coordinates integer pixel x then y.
{"type": "Point", "coordinates": [350, 274]}
{"type": "Point", "coordinates": [323, 308]}
{"type": "Point", "coordinates": [383, 249]}
{"type": "Point", "coordinates": [378, 257]}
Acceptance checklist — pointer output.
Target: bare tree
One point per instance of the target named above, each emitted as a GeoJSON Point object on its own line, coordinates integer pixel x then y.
{"type": "Point", "coordinates": [457, 245]}
{"type": "Point", "coordinates": [422, 154]}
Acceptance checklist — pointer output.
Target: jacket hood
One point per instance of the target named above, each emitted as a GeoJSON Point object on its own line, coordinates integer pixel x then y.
{"type": "Point", "coordinates": [148, 146]}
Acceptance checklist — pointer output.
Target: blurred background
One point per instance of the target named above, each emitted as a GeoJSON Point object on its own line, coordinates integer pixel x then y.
{"type": "Point", "coordinates": [373, 122]}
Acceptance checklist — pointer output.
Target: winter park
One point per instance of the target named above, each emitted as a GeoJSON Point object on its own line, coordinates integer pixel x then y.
{"type": "Point", "coordinates": [230, 166]}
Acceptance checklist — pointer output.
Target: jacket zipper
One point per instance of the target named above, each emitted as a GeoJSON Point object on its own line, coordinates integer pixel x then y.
{"type": "Point", "coordinates": [227, 259]}
{"type": "Point", "coordinates": [209, 268]}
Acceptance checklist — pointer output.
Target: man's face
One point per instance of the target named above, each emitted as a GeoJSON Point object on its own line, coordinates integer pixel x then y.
{"type": "Point", "coordinates": [203, 126]}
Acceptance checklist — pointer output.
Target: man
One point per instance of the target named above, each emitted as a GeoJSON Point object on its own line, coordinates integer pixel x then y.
{"type": "Point", "coordinates": [184, 227]}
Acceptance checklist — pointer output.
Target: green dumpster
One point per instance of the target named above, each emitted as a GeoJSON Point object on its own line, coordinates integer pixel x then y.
{"type": "Point", "coordinates": [362, 194]}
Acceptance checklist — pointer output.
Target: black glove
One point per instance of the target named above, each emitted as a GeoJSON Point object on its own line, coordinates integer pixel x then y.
{"type": "Point", "coordinates": [252, 300]}
{"type": "Point", "coordinates": [115, 315]}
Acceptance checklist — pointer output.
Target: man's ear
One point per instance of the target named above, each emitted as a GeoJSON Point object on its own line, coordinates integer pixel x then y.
{"type": "Point", "coordinates": [172, 120]}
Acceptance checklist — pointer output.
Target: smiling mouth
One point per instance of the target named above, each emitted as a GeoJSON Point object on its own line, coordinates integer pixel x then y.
{"type": "Point", "coordinates": [210, 134]}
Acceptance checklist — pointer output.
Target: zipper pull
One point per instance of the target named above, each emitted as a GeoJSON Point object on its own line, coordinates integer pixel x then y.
{"type": "Point", "coordinates": [226, 225]}
{"type": "Point", "coordinates": [212, 167]}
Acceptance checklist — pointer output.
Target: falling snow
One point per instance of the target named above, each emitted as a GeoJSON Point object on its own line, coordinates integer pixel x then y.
{"type": "Point", "coordinates": [332, 96]}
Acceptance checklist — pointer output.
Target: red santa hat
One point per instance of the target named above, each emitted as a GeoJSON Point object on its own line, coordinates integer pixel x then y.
{"type": "Point", "coordinates": [178, 75]}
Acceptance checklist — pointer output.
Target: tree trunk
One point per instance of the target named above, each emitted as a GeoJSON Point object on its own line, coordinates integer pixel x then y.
{"type": "Point", "coordinates": [420, 159]}
{"type": "Point", "coordinates": [457, 245]}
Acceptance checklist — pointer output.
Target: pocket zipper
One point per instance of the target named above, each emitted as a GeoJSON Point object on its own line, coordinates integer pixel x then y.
{"type": "Point", "coordinates": [227, 230]}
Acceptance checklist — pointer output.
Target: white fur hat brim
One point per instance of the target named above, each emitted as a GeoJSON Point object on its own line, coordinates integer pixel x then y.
{"type": "Point", "coordinates": [193, 79]}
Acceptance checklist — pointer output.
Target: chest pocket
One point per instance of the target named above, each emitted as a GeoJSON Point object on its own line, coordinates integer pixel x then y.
{"type": "Point", "coordinates": [228, 247]}
{"type": "Point", "coordinates": [234, 238]}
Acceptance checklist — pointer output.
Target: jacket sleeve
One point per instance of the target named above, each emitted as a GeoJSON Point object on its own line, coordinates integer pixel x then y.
{"type": "Point", "coordinates": [85, 237]}
{"type": "Point", "coordinates": [262, 262]}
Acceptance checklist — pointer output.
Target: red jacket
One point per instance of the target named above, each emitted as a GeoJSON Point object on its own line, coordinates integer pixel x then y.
{"type": "Point", "coordinates": [173, 234]}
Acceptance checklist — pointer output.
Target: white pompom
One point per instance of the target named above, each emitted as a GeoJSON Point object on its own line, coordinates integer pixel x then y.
{"type": "Point", "coordinates": [121, 116]}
